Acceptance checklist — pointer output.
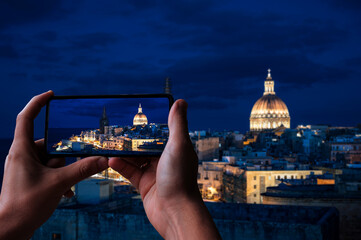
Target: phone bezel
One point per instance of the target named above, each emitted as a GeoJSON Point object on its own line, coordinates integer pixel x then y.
{"type": "Point", "coordinates": [138, 154]}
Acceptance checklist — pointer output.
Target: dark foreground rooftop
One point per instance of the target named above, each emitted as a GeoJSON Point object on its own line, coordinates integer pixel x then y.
{"type": "Point", "coordinates": [125, 218]}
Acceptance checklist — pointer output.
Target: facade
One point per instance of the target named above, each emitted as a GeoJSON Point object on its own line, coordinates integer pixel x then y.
{"type": "Point", "coordinates": [140, 119]}
{"type": "Point", "coordinates": [256, 182]}
{"type": "Point", "coordinates": [206, 148]}
{"type": "Point", "coordinates": [269, 112]}
{"type": "Point", "coordinates": [345, 196]}
{"type": "Point", "coordinates": [350, 152]}
{"type": "Point", "coordinates": [137, 142]}
{"type": "Point", "coordinates": [210, 179]}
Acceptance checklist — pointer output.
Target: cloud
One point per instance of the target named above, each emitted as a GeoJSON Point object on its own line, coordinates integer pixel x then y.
{"type": "Point", "coordinates": [48, 36]}
{"type": "Point", "coordinates": [8, 51]}
{"type": "Point", "coordinates": [15, 12]}
{"type": "Point", "coordinates": [96, 40]}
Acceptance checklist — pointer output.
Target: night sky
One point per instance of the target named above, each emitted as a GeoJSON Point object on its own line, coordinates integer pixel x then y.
{"type": "Point", "coordinates": [216, 52]}
{"type": "Point", "coordinates": [86, 113]}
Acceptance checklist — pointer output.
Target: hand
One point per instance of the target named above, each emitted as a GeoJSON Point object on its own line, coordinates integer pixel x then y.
{"type": "Point", "coordinates": [169, 185]}
{"type": "Point", "coordinates": [31, 191]}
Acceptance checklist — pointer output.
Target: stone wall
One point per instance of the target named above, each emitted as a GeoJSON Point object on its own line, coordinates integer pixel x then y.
{"type": "Point", "coordinates": [234, 221]}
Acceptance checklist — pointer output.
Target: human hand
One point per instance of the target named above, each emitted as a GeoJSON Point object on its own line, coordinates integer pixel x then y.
{"type": "Point", "coordinates": [31, 191]}
{"type": "Point", "coordinates": [168, 186]}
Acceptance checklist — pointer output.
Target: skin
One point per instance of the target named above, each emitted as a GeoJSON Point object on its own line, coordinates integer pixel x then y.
{"type": "Point", "coordinates": [168, 186]}
{"type": "Point", "coordinates": [31, 191]}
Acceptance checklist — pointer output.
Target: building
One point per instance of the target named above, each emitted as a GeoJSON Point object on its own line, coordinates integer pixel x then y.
{"type": "Point", "coordinates": [346, 149]}
{"type": "Point", "coordinates": [138, 142]}
{"type": "Point", "coordinates": [345, 195]}
{"type": "Point", "coordinates": [94, 191]}
{"type": "Point", "coordinates": [140, 119]}
{"type": "Point", "coordinates": [255, 182]}
{"type": "Point", "coordinates": [269, 112]}
{"type": "Point", "coordinates": [210, 179]}
{"type": "Point", "coordinates": [103, 122]}
{"type": "Point", "coordinates": [125, 218]}
{"type": "Point", "coordinates": [206, 148]}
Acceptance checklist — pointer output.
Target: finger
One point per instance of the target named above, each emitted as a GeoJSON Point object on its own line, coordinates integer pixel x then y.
{"type": "Point", "coordinates": [69, 194]}
{"type": "Point", "coordinates": [25, 120]}
{"type": "Point", "coordinates": [127, 170]}
{"type": "Point", "coordinates": [177, 121]}
{"type": "Point", "coordinates": [84, 168]}
{"type": "Point", "coordinates": [54, 162]}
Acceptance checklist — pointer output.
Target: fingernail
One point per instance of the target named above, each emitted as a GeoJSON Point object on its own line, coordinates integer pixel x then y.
{"type": "Point", "coordinates": [103, 163]}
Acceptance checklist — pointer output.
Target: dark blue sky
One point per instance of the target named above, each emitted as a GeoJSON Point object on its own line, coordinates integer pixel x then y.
{"type": "Point", "coordinates": [86, 113]}
{"type": "Point", "coordinates": [216, 52]}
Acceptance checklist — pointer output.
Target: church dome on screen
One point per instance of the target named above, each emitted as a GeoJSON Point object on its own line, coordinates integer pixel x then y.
{"type": "Point", "coordinates": [269, 112]}
{"type": "Point", "coordinates": [140, 118]}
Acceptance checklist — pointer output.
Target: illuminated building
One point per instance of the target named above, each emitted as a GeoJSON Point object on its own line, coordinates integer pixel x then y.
{"type": "Point", "coordinates": [252, 183]}
{"type": "Point", "coordinates": [137, 142]}
{"type": "Point", "coordinates": [103, 122]}
{"type": "Point", "coordinates": [140, 119]}
{"type": "Point", "coordinates": [210, 179]}
{"type": "Point", "coordinates": [269, 112]}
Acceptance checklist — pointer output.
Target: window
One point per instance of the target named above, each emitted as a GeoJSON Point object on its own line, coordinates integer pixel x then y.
{"type": "Point", "coordinates": [254, 195]}
{"type": "Point", "coordinates": [285, 177]}
{"type": "Point", "coordinates": [279, 177]}
{"type": "Point", "coordinates": [56, 236]}
{"type": "Point", "coordinates": [292, 177]}
{"type": "Point", "coordinates": [255, 186]}
{"type": "Point", "coordinates": [301, 177]}
{"type": "Point", "coordinates": [255, 178]}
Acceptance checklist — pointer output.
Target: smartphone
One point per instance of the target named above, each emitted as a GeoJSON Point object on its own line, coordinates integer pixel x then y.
{"type": "Point", "coordinates": [107, 125]}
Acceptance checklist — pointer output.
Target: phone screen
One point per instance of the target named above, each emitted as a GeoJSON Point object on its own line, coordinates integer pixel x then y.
{"type": "Point", "coordinates": [121, 125]}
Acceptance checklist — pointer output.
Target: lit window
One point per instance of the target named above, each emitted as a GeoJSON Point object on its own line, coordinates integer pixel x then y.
{"type": "Point", "coordinates": [56, 236]}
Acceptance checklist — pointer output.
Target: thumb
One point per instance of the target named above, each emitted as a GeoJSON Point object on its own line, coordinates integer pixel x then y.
{"type": "Point", "coordinates": [82, 169]}
{"type": "Point", "coordinates": [177, 121]}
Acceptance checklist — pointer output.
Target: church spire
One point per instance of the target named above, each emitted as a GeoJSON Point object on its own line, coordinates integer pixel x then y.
{"type": "Point", "coordinates": [269, 85]}
{"type": "Point", "coordinates": [167, 86]}
{"type": "Point", "coordinates": [140, 110]}
{"type": "Point", "coordinates": [104, 113]}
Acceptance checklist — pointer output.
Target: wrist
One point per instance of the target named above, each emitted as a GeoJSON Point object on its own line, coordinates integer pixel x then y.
{"type": "Point", "coordinates": [189, 218]}
{"type": "Point", "coordinates": [12, 226]}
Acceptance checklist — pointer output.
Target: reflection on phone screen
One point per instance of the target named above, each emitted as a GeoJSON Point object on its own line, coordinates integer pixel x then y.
{"type": "Point", "coordinates": [107, 126]}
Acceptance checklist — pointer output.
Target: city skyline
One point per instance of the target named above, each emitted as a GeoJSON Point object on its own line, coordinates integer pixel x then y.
{"type": "Point", "coordinates": [216, 55]}
{"type": "Point", "coordinates": [72, 129]}
{"type": "Point", "coordinates": [85, 113]}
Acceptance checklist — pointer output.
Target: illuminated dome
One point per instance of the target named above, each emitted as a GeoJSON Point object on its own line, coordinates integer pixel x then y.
{"type": "Point", "coordinates": [269, 112]}
{"type": "Point", "coordinates": [140, 118]}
